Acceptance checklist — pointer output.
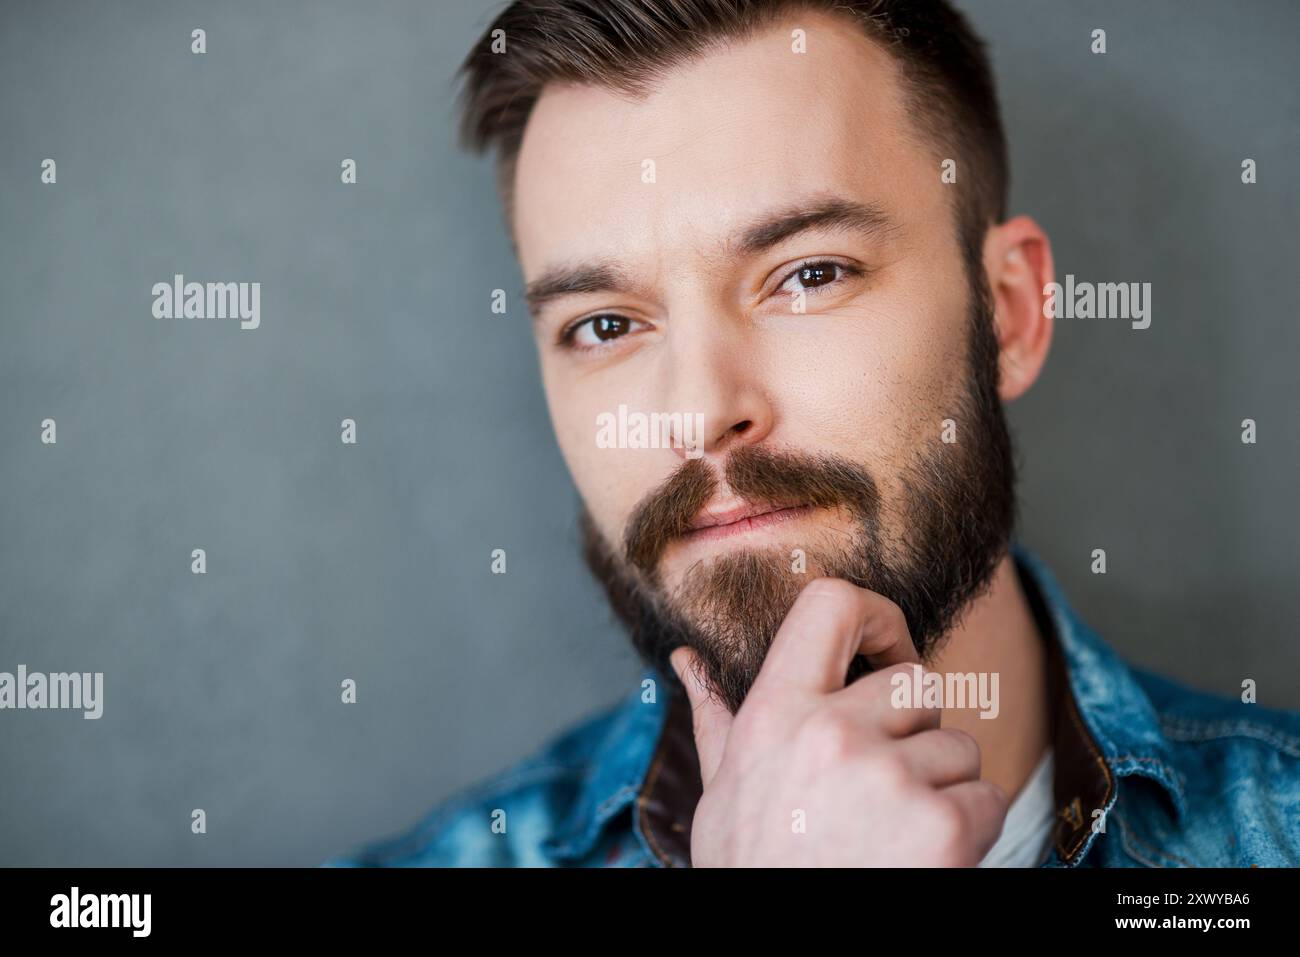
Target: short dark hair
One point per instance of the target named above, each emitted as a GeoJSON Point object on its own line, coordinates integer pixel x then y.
{"type": "Point", "coordinates": [625, 45]}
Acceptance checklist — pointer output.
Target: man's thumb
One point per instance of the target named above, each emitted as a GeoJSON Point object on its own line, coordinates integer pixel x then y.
{"type": "Point", "coordinates": [709, 716]}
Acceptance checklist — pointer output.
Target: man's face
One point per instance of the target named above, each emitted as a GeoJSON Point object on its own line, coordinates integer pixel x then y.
{"type": "Point", "coordinates": [827, 358]}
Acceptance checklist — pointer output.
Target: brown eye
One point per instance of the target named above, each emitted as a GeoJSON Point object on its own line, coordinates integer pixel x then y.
{"type": "Point", "coordinates": [593, 333]}
{"type": "Point", "coordinates": [820, 277]}
{"type": "Point", "coordinates": [817, 274]}
{"type": "Point", "coordinates": [609, 327]}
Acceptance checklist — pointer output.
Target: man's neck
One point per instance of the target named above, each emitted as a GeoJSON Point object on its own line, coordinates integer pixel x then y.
{"type": "Point", "coordinates": [1000, 636]}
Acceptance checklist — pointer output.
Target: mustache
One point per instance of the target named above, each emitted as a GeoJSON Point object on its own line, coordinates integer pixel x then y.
{"type": "Point", "coordinates": [778, 477]}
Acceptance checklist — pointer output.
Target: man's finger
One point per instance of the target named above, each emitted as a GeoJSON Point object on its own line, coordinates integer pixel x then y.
{"type": "Point", "coordinates": [831, 621]}
{"type": "Point", "coordinates": [984, 808]}
{"type": "Point", "coordinates": [892, 701]}
{"type": "Point", "coordinates": [709, 716]}
{"type": "Point", "coordinates": [942, 756]}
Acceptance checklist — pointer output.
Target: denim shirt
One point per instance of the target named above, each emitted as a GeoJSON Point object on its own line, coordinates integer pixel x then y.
{"type": "Point", "coordinates": [1149, 773]}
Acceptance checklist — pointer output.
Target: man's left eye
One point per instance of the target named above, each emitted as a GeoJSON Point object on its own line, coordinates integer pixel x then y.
{"type": "Point", "coordinates": [815, 275]}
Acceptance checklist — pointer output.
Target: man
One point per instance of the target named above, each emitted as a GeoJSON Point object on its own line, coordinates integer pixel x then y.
{"type": "Point", "coordinates": [780, 228]}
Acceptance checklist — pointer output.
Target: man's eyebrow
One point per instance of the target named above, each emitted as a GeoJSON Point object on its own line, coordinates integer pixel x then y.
{"type": "Point", "coordinates": [761, 234]}
{"type": "Point", "coordinates": [561, 281]}
{"type": "Point", "coordinates": [831, 213]}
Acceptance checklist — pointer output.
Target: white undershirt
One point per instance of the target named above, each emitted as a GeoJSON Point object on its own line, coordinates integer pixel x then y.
{"type": "Point", "coordinates": [1027, 831]}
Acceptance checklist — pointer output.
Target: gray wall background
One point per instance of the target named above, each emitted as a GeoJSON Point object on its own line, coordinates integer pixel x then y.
{"type": "Point", "coordinates": [372, 562]}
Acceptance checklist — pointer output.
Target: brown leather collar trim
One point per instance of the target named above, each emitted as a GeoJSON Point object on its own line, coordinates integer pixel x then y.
{"type": "Point", "coordinates": [672, 788]}
{"type": "Point", "coordinates": [1083, 781]}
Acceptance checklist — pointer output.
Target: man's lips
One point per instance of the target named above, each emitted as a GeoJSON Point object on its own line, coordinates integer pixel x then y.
{"type": "Point", "coordinates": [733, 520]}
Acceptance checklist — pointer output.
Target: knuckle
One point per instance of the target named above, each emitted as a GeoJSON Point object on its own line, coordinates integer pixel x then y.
{"type": "Point", "coordinates": [965, 745]}
{"type": "Point", "coordinates": [829, 737]}
{"type": "Point", "coordinates": [998, 800]}
{"type": "Point", "coordinates": [888, 771]}
{"type": "Point", "coordinates": [946, 826]}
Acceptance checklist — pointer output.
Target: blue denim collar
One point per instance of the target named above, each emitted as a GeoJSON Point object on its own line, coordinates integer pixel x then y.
{"type": "Point", "coordinates": [1113, 707]}
{"type": "Point", "coordinates": [616, 771]}
{"type": "Point", "coordinates": [1119, 736]}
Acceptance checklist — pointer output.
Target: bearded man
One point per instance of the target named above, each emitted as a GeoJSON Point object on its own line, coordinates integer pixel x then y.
{"type": "Point", "coordinates": [786, 222]}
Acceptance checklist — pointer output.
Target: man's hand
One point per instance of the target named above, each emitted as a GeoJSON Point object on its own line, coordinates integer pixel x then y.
{"type": "Point", "coordinates": [812, 773]}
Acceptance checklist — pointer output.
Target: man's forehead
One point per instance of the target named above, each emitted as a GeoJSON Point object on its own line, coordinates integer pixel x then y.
{"type": "Point", "coordinates": [747, 126]}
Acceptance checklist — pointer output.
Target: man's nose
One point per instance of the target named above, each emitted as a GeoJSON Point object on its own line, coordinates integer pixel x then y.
{"type": "Point", "coordinates": [714, 378]}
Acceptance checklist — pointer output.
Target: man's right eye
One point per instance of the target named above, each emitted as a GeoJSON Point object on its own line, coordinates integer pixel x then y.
{"type": "Point", "coordinates": [589, 333]}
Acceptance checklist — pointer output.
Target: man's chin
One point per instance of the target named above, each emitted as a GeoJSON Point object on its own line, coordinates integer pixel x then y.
{"type": "Point", "coordinates": [729, 608]}
{"type": "Point", "coordinates": [787, 550]}
{"type": "Point", "coordinates": [705, 575]}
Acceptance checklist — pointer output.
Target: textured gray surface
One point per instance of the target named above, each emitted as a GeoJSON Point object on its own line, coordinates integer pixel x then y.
{"type": "Point", "coordinates": [372, 562]}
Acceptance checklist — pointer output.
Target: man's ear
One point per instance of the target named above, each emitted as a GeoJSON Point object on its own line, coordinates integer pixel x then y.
{"type": "Point", "coordinates": [1018, 263]}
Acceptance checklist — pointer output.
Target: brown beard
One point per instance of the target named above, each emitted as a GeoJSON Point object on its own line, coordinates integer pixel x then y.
{"type": "Point", "coordinates": [957, 516]}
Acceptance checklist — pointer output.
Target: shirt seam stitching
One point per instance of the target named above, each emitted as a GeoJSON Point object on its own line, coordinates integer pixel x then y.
{"type": "Point", "coordinates": [1127, 833]}
{"type": "Point", "coordinates": [1197, 732]}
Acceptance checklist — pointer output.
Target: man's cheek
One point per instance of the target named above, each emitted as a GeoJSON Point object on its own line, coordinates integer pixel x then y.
{"type": "Point", "coordinates": [609, 493]}
{"type": "Point", "coordinates": [575, 433]}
